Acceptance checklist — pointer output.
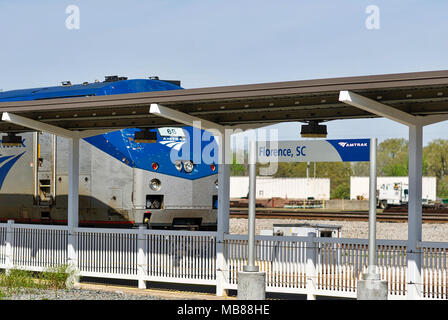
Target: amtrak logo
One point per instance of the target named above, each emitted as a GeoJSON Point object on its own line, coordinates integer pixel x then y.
{"type": "Point", "coordinates": [6, 163]}
{"type": "Point", "coordinates": [352, 144]}
{"type": "Point", "coordinates": [176, 145]}
{"type": "Point", "coordinates": [21, 146]}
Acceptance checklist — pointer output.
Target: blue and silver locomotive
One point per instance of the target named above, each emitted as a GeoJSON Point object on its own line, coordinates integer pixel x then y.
{"type": "Point", "coordinates": [125, 179]}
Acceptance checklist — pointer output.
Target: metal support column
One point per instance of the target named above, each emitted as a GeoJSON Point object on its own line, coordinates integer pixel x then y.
{"type": "Point", "coordinates": [372, 266]}
{"type": "Point", "coordinates": [251, 282]}
{"type": "Point", "coordinates": [73, 208]}
{"type": "Point", "coordinates": [223, 214]}
{"type": "Point", "coordinates": [414, 257]}
{"type": "Point", "coordinates": [223, 183]}
{"type": "Point", "coordinates": [251, 215]}
{"type": "Point", "coordinates": [415, 124]}
{"type": "Point", "coordinates": [73, 183]}
{"type": "Point", "coordinates": [371, 287]}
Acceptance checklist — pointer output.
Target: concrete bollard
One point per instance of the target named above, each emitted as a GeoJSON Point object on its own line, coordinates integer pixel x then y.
{"type": "Point", "coordinates": [251, 285]}
{"type": "Point", "coordinates": [371, 289]}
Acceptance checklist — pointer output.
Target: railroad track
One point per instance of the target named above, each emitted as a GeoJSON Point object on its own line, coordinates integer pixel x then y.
{"type": "Point", "coordinates": [316, 214]}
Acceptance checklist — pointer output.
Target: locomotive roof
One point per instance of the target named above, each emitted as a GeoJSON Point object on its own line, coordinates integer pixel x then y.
{"type": "Point", "coordinates": [418, 93]}
{"type": "Point", "coordinates": [87, 89]}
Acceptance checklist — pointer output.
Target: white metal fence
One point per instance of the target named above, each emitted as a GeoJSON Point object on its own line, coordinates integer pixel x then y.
{"type": "Point", "coordinates": [147, 255]}
{"type": "Point", "coordinates": [180, 256]}
{"type": "Point", "coordinates": [32, 247]}
{"type": "Point", "coordinates": [107, 253]}
{"type": "Point", "coordinates": [302, 265]}
{"type": "Point", "coordinates": [332, 266]}
{"type": "Point", "coordinates": [434, 275]}
{"type": "Point", "coordinates": [3, 232]}
{"type": "Point", "coordinates": [284, 261]}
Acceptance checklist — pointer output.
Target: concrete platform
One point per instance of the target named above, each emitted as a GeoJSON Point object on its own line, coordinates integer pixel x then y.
{"type": "Point", "coordinates": [168, 294]}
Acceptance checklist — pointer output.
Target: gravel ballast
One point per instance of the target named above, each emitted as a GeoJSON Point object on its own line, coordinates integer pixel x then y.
{"type": "Point", "coordinates": [78, 294]}
{"type": "Point", "coordinates": [85, 294]}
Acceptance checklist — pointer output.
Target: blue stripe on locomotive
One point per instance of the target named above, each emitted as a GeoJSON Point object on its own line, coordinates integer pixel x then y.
{"type": "Point", "coordinates": [119, 144]}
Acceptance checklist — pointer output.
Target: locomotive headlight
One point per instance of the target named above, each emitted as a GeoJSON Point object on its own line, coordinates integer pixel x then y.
{"type": "Point", "coordinates": [216, 183]}
{"type": "Point", "coordinates": [178, 165]}
{"type": "Point", "coordinates": [155, 184]}
{"type": "Point", "coordinates": [188, 166]}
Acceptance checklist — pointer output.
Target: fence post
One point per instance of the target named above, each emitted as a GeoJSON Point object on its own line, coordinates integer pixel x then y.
{"type": "Point", "coordinates": [72, 255]}
{"type": "Point", "coordinates": [311, 274]}
{"type": "Point", "coordinates": [72, 247]}
{"type": "Point", "coordinates": [414, 274]}
{"type": "Point", "coordinates": [221, 265]}
{"type": "Point", "coordinates": [141, 258]}
{"type": "Point", "coordinates": [9, 245]}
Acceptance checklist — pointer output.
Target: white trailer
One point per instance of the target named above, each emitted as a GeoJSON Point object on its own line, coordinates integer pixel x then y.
{"type": "Point", "coordinates": [392, 190]}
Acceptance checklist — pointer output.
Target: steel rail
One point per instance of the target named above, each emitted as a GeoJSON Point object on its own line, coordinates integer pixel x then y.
{"type": "Point", "coordinates": [336, 215]}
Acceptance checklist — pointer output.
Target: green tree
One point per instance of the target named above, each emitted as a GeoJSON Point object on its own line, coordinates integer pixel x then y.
{"type": "Point", "coordinates": [360, 169]}
{"type": "Point", "coordinates": [392, 158]}
{"type": "Point", "coordinates": [237, 169]}
{"type": "Point", "coordinates": [239, 164]}
{"type": "Point", "coordinates": [342, 191]}
{"type": "Point", "coordinates": [291, 169]}
{"type": "Point", "coordinates": [338, 172]}
{"type": "Point", "coordinates": [435, 156]}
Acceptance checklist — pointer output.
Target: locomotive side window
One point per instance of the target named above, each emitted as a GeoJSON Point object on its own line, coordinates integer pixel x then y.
{"type": "Point", "coordinates": [325, 234]}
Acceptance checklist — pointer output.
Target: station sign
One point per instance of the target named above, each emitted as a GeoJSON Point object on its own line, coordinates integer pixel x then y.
{"type": "Point", "coordinates": [346, 150]}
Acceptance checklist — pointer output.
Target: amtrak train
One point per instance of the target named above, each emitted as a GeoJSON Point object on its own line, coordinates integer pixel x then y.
{"type": "Point", "coordinates": [123, 180]}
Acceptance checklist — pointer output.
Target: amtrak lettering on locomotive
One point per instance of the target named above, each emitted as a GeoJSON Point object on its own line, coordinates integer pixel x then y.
{"type": "Point", "coordinates": [122, 181]}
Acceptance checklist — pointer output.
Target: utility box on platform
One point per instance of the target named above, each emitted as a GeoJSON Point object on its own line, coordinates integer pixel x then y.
{"type": "Point", "coordinates": [274, 251]}
{"type": "Point", "coordinates": [302, 230]}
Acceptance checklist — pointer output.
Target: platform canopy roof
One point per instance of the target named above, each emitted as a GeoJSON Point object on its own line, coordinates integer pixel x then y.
{"type": "Point", "coordinates": [418, 93]}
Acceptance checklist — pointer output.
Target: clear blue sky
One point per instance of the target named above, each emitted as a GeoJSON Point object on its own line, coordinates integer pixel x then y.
{"type": "Point", "coordinates": [212, 43]}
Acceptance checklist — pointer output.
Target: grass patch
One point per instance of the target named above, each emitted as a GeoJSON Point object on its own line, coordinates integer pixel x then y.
{"type": "Point", "coordinates": [16, 280]}
{"type": "Point", "coordinates": [55, 278]}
